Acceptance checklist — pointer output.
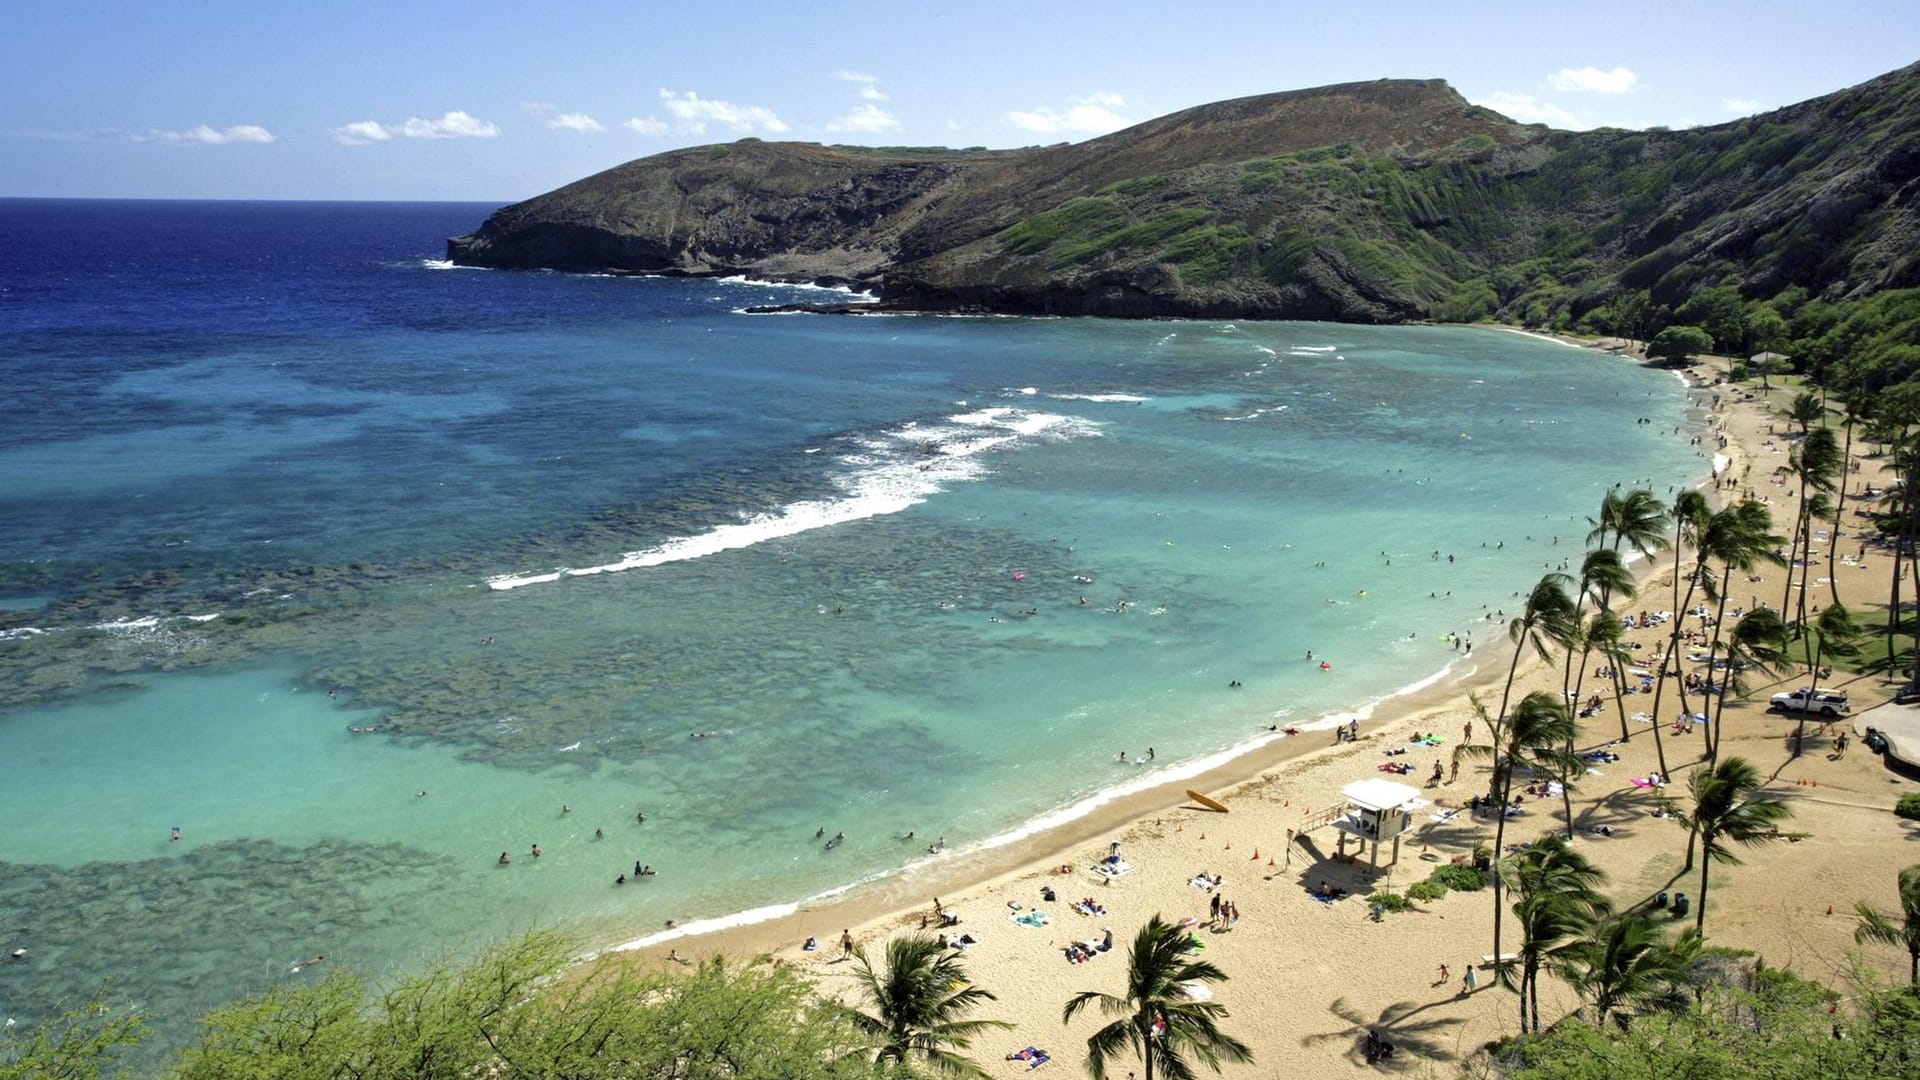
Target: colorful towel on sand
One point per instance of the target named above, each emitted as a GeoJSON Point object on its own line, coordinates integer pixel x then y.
{"type": "Point", "coordinates": [1035, 918]}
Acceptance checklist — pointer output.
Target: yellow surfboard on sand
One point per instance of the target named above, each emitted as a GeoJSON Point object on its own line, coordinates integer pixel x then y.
{"type": "Point", "coordinates": [1206, 802]}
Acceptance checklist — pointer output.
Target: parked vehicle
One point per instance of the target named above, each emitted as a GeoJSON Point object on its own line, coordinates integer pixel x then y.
{"type": "Point", "coordinates": [1813, 700]}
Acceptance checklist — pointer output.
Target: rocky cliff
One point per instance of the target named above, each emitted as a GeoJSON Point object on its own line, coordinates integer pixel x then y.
{"type": "Point", "coordinates": [1376, 201]}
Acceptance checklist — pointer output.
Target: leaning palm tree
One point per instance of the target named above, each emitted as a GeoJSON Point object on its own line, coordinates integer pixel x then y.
{"type": "Point", "coordinates": [1902, 929]}
{"type": "Point", "coordinates": [1156, 1019]}
{"type": "Point", "coordinates": [1531, 739]}
{"type": "Point", "coordinates": [1625, 965]}
{"type": "Point", "coordinates": [917, 1005]}
{"type": "Point", "coordinates": [1816, 464]}
{"type": "Point", "coordinates": [1728, 804]}
{"type": "Point", "coordinates": [1857, 406]}
{"type": "Point", "coordinates": [1758, 645]}
{"type": "Point", "coordinates": [1603, 576]}
{"type": "Point", "coordinates": [1839, 635]}
{"type": "Point", "coordinates": [1548, 618]}
{"type": "Point", "coordinates": [1689, 515]}
{"type": "Point", "coordinates": [1740, 537]}
{"type": "Point", "coordinates": [1556, 899]}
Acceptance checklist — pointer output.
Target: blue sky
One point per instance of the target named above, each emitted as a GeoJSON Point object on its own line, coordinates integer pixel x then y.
{"type": "Point", "coordinates": [495, 101]}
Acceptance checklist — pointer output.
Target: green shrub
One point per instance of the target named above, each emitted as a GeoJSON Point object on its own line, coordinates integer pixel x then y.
{"type": "Point", "coordinates": [1458, 876]}
{"type": "Point", "coordinates": [1390, 902]}
{"type": "Point", "coordinates": [1909, 806]}
{"type": "Point", "coordinates": [1426, 890]}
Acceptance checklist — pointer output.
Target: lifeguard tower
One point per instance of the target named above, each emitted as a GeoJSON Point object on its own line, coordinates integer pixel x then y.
{"type": "Point", "coordinates": [1376, 810]}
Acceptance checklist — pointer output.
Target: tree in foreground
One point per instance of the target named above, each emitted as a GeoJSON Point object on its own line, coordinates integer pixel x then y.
{"type": "Point", "coordinates": [1156, 1019]}
{"type": "Point", "coordinates": [1556, 898]}
{"type": "Point", "coordinates": [505, 1016]}
{"type": "Point", "coordinates": [1728, 804]}
{"type": "Point", "coordinates": [1625, 966]}
{"type": "Point", "coordinates": [1532, 738]}
{"type": "Point", "coordinates": [1762, 1023]}
{"type": "Point", "coordinates": [1902, 929]}
{"type": "Point", "coordinates": [83, 1044]}
{"type": "Point", "coordinates": [918, 1005]}
{"type": "Point", "coordinates": [1679, 343]}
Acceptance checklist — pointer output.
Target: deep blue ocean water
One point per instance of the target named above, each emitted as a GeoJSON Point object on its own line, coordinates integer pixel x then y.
{"type": "Point", "coordinates": [271, 472]}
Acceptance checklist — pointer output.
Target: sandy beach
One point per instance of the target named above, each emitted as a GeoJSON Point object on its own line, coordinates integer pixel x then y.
{"type": "Point", "coordinates": [1309, 978]}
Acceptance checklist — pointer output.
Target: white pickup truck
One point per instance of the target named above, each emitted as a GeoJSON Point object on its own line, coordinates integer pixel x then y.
{"type": "Point", "coordinates": [1808, 699]}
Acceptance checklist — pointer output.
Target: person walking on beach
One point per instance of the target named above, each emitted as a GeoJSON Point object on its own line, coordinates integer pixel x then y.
{"type": "Point", "coordinates": [1445, 976]}
{"type": "Point", "coordinates": [1214, 906]}
{"type": "Point", "coordinates": [1470, 981]}
{"type": "Point", "coordinates": [846, 944]}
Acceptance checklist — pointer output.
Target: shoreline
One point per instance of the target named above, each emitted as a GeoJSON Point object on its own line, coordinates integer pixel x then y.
{"type": "Point", "coordinates": [1042, 843]}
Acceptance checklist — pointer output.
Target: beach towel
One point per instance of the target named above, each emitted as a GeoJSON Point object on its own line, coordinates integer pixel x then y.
{"type": "Point", "coordinates": [1445, 816]}
{"type": "Point", "coordinates": [1191, 920]}
{"type": "Point", "coordinates": [1642, 782]}
{"type": "Point", "coordinates": [1035, 918]}
{"type": "Point", "coordinates": [1113, 867]}
{"type": "Point", "coordinates": [1032, 1056]}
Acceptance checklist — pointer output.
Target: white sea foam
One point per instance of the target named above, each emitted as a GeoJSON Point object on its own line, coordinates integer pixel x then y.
{"type": "Point", "coordinates": [446, 264]}
{"type": "Point", "coordinates": [1542, 337]}
{"type": "Point", "coordinates": [1269, 352]}
{"type": "Point", "coordinates": [20, 632]}
{"type": "Point", "coordinates": [1312, 348]}
{"type": "Point", "coordinates": [1257, 413]}
{"type": "Point", "coordinates": [886, 473]}
{"type": "Point", "coordinates": [709, 926]}
{"type": "Point", "coordinates": [1103, 398]}
{"type": "Point", "coordinates": [857, 296]}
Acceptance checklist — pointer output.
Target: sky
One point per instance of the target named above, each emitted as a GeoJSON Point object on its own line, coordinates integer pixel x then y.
{"type": "Point", "coordinates": [429, 100]}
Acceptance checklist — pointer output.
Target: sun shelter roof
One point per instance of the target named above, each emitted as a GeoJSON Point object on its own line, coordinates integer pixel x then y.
{"type": "Point", "coordinates": [1377, 795]}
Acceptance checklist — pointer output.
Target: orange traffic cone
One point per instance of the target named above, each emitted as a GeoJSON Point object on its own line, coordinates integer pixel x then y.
{"type": "Point", "coordinates": [1829, 909]}
{"type": "Point", "coordinates": [1256, 855]}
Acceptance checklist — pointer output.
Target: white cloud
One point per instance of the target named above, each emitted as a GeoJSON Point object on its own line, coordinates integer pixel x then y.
{"type": "Point", "coordinates": [204, 135]}
{"type": "Point", "coordinates": [695, 113]}
{"type": "Point", "coordinates": [1092, 115]}
{"type": "Point", "coordinates": [452, 125]}
{"type": "Point", "coordinates": [573, 121]}
{"type": "Point", "coordinates": [1741, 106]}
{"type": "Point", "coordinates": [361, 132]}
{"type": "Point", "coordinates": [869, 85]}
{"type": "Point", "coordinates": [1528, 109]}
{"type": "Point", "coordinates": [1592, 80]}
{"type": "Point", "coordinates": [868, 118]}
{"type": "Point", "coordinates": [647, 125]}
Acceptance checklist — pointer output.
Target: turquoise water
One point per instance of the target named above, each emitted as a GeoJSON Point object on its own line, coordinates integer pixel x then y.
{"type": "Point", "coordinates": [606, 544]}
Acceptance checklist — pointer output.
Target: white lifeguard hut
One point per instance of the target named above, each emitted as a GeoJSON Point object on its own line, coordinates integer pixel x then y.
{"type": "Point", "coordinates": [1376, 810]}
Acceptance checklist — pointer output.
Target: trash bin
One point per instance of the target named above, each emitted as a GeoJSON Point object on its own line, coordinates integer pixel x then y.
{"type": "Point", "coordinates": [1680, 904]}
{"type": "Point", "coordinates": [1660, 900]}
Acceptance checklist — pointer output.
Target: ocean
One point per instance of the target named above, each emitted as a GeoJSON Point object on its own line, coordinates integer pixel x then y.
{"type": "Point", "coordinates": [360, 570]}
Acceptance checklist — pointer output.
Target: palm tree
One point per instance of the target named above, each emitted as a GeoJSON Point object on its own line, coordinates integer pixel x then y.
{"type": "Point", "coordinates": [1602, 638]}
{"type": "Point", "coordinates": [1625, 963]}
{"type": "Point", "coordinates": [1728, 804]}
{"type": "Point", "coordinates": [1857, 406]}
{"type": "Point", "coordinates": [1556, 900]}
{"type": "Point", "coordinates": [1690, 514]}
{"type": "Point", "coordinates": [1547, 619]}
{"type": "Point", "coordinates": [1532, 738]}
{"type": "Point", "coordinates": [1740, 537]}
{"type": "Point", "coordinates": [1155, 1018]}
{"type": "Point", "coordinates": [1816, 463]}
{"type": "Point", "coordinates": [1839, 635]}
{"type": "Point", "coordinates": [1758, 644]}
{"type": "Point", "coordinates": [1602, 575]}
{"type": "Point", "coordinates": [917, 1005]}
{"type": "Point", "coordinates": [1902, 929]}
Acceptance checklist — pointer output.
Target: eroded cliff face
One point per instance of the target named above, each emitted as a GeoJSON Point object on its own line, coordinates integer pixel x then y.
{"type": "Point", "coordinates": [1370, 202]}
{"type": "Point", "coordinates": [780, 209]}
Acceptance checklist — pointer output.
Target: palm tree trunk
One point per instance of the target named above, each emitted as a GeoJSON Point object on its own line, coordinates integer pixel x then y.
{"type": "Point", "coordinates": [1500, 783]}
{"type": "Point", "coordinates": [1793, 552]}
{"type": "Point", "coordinates": [1893, 602]}
{"type": "Point", "coordinates": [1721, 687]}
{"type": "Point", "coordinates": [1700, 911]}
{"type": "Point", "coordinates": [1839, 507]}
